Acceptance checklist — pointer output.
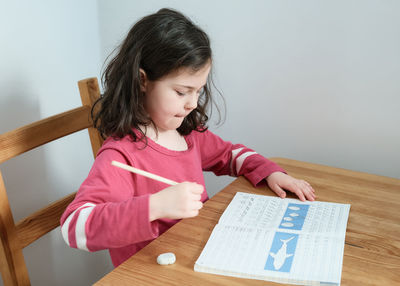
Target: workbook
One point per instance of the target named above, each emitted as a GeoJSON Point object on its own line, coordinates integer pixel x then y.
{"type": "Point", "coordinates": [279, 240]}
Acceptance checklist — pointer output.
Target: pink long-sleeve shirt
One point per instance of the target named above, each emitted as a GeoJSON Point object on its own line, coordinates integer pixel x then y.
{"type": "Point", "coordinates": [111, 208]}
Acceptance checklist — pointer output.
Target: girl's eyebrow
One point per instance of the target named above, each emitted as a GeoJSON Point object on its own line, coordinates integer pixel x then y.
{"type": "Point", "coordinates": [186, 86]}
{"type": "Point", "coordinates": [190, 87]}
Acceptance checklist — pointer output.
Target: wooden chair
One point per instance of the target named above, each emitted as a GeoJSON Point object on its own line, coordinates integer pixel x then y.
{"type": "Point", "coordinates": [16, 236]}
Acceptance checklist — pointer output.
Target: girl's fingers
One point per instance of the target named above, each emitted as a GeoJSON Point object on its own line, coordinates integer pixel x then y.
{"type": "Point", "coordinates": [197, 205]}
{"type": "Point", "coordinates": [309, 186]}
{"type": "Point", "coordinates": [303, 190]}
{"type": "Point", "coordinates": [197, 197]}
{"type": "Point", "coordinates": [279, 191]}
{"type": "Point", "coordinates": [307, 190]}
{"type": "Point", "coordinates": [300, 194]}
{"type": "Point", "coordinates": [309, 195]}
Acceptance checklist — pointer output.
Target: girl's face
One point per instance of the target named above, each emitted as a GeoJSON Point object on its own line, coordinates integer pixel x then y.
{"type": "Point", "coordinates": [170, 99]}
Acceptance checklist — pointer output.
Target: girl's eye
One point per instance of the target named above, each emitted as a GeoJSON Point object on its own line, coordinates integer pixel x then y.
{"type": "Point", "coordinates": [180, 93]}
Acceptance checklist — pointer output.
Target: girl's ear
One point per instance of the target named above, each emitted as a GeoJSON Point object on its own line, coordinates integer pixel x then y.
{"type": "Point", "coordinates": [143, 80]}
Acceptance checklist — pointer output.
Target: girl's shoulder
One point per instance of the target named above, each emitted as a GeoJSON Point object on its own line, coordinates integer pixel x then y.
{"type": "Point", "coordinates": [122, 144]}
{"type": "Point", "coordinates": [116, 142]}
{"type": "Point", "coordinates": [203, 136]}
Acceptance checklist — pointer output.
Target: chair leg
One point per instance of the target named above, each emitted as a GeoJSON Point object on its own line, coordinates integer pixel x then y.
{"type": "Point", "coordinates": [12, 263]}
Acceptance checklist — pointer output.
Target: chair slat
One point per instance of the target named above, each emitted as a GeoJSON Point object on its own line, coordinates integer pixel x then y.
{"type": "Point", "coordinates": [26, 138]}
{"type": "Point", "coordinates": [90, 92]}
{"type": "Point", "coordinates": [41, 222]}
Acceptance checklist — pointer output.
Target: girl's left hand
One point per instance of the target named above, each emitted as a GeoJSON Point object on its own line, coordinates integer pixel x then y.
{"type": "Point", "coordinates": [279, 181]}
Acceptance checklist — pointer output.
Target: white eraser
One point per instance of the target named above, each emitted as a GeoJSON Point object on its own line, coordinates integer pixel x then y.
{"type": "Point", "coordinates": [166, 258]}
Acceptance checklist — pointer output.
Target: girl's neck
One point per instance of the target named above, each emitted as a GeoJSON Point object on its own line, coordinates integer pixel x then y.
{"type": "Point", "coordinates": [170, 139]}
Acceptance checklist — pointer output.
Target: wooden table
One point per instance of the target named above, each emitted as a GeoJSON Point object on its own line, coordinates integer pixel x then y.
{"type": "Point", "coordinates": [372, 247]}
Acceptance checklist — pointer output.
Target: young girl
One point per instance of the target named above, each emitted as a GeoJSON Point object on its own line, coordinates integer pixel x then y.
{"type": "Point", "coordinates": [153, 113]}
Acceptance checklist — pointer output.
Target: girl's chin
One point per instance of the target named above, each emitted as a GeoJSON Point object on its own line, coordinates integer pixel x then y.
{"type": "Point", "coordinates": [178, 122]}
{"type": "Point", "coordinates": [171, 125]}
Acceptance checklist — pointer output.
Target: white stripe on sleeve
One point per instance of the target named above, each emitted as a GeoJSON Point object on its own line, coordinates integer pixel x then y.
{"type": "Point", "coordinates": [80, 233]}
{"type": "Point", "coordinates": [234, 154]}
{"type": "Point", "coordinates": [65, 226]}
{"type": "Point", "coordinates": [240, 160]}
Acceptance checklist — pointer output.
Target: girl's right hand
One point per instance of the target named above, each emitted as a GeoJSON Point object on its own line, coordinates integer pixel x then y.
{"type": "Point", "coordinates": [176, 202]}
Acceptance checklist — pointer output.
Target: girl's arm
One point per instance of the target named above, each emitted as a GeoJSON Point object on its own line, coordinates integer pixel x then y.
{"type": "Point", "coordinates": [106, 212]}
{"type": "Point", "coordinates": [224, 158]}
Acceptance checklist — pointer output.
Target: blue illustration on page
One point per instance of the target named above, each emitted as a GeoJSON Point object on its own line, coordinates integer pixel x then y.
{"type": "Point", "coordinates": [280, 256]}
{"type": "Point", "coordinates": [284, 244]}
{"type": "Point", "coordinates": [294, 216]}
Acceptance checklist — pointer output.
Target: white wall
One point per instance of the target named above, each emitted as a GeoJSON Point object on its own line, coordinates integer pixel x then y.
{"type": "Point", "coordinates": [317, 81]}
{"type": "Point", "coordinates": [46, 47]}
{"type": "Point", "coordinates": [310, 80]}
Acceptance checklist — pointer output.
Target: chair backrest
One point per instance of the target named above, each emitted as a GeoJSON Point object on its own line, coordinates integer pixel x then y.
{"type": "Point", "coordinates": [16, 236]}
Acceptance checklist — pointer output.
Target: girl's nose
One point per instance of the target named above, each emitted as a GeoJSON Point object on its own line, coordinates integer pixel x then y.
{"type": "Point", "coordinates": [191, 103]}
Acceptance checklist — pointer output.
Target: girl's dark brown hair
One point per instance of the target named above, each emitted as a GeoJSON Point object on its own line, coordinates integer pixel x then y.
{"type": "Point", "coordinates": [159, 44]}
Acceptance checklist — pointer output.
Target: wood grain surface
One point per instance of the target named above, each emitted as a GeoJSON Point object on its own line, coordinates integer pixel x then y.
{"type": "Point", "coordinates": [372, 247]}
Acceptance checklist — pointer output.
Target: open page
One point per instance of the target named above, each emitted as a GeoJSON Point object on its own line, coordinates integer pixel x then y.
{"type": "Point", "coordinates": [281, 240]}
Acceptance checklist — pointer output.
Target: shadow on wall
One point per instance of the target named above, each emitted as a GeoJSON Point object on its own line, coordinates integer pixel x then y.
{"type": "Point", "coordinates": [32, 182]}
{"type": "Point", "coordinates": [24, 175]}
